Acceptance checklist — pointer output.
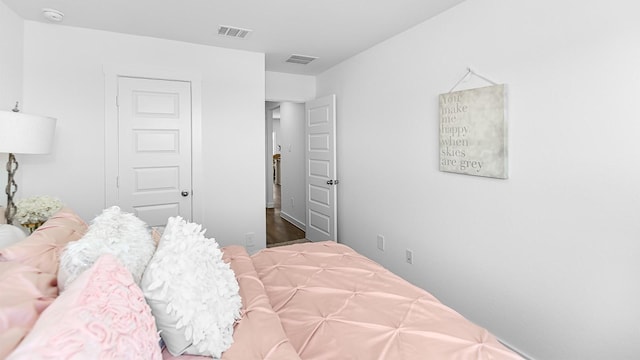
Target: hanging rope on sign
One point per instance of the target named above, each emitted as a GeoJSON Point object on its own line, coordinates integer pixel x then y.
{"type": "Point", "coordinates": [466, 76]}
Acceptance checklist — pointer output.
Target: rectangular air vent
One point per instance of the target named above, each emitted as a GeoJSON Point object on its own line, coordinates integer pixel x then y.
{"type": "Point", "coordinates": [300, 59]}
{"type": "Point", "coordinates": [231, 31]}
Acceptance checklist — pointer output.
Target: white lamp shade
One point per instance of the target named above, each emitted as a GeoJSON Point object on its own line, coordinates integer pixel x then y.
{"type": "Point", "coordinates": [26, 134]}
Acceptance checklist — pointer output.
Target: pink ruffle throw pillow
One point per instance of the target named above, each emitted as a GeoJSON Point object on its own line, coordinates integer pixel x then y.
{"type": "Point", "coordinates": [102, 315]}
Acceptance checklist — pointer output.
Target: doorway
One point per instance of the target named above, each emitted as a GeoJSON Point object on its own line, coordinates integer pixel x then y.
{"type": "Point", "coordinates": [285, 154]}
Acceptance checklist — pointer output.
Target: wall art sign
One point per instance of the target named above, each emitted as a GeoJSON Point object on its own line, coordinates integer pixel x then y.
{"type": "Point", "coordinates": [473, 132]}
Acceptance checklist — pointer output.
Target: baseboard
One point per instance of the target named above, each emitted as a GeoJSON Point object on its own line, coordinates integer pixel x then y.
{"type": "Point", "coordinates": [271, 205]}
{"type": "Point", "coordinates": [525, 356]}
{"type": "Point", "coordinates": [297, 223]}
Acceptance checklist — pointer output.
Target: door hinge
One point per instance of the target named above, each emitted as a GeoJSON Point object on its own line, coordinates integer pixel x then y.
{"type": "Point", "coordinates": [117, 103]}
{"type": "Point", "coordinates": [117, 181]}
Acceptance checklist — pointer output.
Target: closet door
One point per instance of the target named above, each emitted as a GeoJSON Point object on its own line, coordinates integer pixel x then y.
{"type": "Point", "coordinates": [154, 148]}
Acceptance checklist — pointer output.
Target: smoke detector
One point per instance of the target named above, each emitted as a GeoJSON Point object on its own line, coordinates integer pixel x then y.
{"type": "Point", "coordinates": [52, 15]}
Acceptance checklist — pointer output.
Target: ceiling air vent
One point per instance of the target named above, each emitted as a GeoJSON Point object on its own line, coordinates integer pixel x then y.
{"type": "Point", "coordinates": [300, 59]}
{"type": "Point", "coordinates": [234, 32]}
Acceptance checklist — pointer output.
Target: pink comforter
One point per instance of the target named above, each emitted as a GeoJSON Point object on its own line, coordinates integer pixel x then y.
{"type": "Point", "coordinates": [258, 335]}
{"type": "Point", "coordinates": [320, 301]}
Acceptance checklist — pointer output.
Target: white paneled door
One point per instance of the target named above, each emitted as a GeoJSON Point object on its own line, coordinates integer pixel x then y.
{"type": "Point", "coordinates": [321, 177]}
{"type": "Point", "coordinates": [154, 148]}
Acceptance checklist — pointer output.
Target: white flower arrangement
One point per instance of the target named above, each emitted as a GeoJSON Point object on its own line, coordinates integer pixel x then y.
{"type": "Point", "coordinates": [37, 209]}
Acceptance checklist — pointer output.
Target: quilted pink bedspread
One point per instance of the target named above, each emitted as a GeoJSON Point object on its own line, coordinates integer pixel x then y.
{"type": "Point", "coordinates": [324, 301]}
{"type": "Point", "coordinates": [259, 334]}
{"type": "Point", "coordinates": [336, 304]}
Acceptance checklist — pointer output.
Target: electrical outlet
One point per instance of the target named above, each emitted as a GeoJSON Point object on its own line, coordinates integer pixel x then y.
{"type": "Point", "coordinates": [249, 239]}
{"type": "Point", "coordinates": [380, 242]}
{"type": "Point", "coordinates": [409, 256]}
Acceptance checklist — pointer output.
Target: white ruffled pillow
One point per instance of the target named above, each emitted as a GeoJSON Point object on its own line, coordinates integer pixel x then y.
{"type": "Point", "coordinates": [113, 232]}
{"type": "Point", "coordinates": [193, 294]}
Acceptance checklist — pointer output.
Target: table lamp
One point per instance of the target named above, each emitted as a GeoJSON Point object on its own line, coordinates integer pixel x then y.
{"type": "Point", "coordinates": [22, 134]}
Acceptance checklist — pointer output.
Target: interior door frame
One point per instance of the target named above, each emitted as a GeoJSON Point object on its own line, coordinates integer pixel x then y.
{"type": "Point", "coordinates": [269, 177]}
{"type": "Point", "coordinates": [111, 75]}
{"type": "Point", "coordinates": [268, 151]}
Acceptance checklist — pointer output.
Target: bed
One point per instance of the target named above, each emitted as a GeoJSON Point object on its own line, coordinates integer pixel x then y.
{"type": "Point", "coordinates": [318, 301]}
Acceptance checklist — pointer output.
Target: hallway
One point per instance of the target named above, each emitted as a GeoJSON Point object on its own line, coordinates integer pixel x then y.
{"type": "Point", "coordinates": [278, 229]}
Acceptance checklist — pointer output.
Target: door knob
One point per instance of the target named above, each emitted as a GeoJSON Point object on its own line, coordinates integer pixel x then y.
{"type": "Point", "coordinates": [184, 193]}
{"type": "Point", "coordinates": [332, 182]}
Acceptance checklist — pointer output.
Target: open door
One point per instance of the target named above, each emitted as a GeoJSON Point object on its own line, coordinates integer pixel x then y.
{"type": "Point", "coordinates": [320, 169]}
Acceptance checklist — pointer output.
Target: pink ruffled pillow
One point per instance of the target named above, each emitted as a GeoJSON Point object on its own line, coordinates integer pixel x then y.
{"type": "Point", "coordinates": [42, 248]}
{"type": "Point", "coordinates": [102, 315]}
{"type": "Point", "coordinates": [25, 292]}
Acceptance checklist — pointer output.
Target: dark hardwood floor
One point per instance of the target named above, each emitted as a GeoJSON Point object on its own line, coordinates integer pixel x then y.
{"type": "Point", "coordinates": [278, 229]}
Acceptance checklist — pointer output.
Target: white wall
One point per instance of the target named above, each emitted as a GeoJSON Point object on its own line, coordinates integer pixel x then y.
{"type": "Point", "coordinates": [548, 260]}
{"type": "Point", "coordinates": [292, 163]}
{"type": "Point", "coordinates": [289, 87]}
{"type": "Point", "coordinates": [63, 77]}
{"type": "Point", "coordinates": [11, 40]}
{"type": "Point", "coordinates": [278, 136]}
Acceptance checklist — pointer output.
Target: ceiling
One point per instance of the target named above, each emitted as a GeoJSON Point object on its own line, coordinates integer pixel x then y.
{"type": "Point", "coordinates": [332, 30]}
